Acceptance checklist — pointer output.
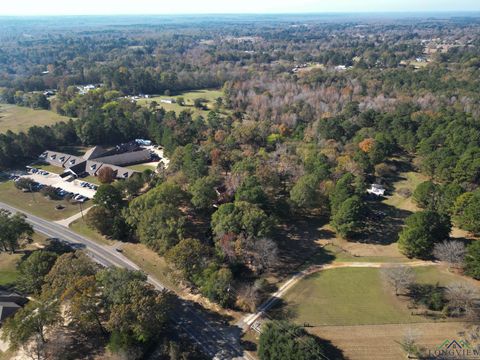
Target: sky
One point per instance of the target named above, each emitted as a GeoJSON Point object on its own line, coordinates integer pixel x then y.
{"type": "Point", "coordinates": [134, 7]}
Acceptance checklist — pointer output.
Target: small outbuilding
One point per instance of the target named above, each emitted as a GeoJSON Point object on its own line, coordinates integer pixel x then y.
{"type": "Point", "coordinates": [376, 189]}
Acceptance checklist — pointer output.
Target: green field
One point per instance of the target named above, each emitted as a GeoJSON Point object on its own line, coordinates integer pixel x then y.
{"type": "Point", "coordinates": [91, 179]}
{"type": "Point", "coordinates": [8, 262]}
{"type": "Point", "coordinates": [141, 167]}
{"type": "Point", "coordinates": [410, 180]}
{"type": "Point", "coordinates": [346, 296]}
{"type": "Point", "coordinates": [74, 150]}
{"type": "Point", "coordinates": [8, 268]}
{"type": "Point", "coordinates": [189, 97]}
{"type": "Point", "coordinates": [49, 168]}
{"type": "Point", "coordinates": [19, 118]}
{"type": "Point", "coordinates": [338, 255]}
{"type": "Point", "coordinates": [36, 203]}
{"type": "Point", "coordinates": [440, 275]}
{"type": "Point", "coordinates": [150, 262]}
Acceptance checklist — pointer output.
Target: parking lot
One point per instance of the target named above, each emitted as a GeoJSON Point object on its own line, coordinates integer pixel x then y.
{"type": "Point", "coordinates": [73, 186]}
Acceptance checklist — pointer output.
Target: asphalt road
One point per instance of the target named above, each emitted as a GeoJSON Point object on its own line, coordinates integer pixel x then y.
{"type": "Point", "coordinates": [216, 339]}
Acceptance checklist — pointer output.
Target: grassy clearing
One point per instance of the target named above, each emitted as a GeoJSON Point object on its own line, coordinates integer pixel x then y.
{"type": "Point", "coordinates": [74, 150]}
{"type": "Point", "coordinates": [142, 167]}
{"type": "Point", "coordinates": [36, 203]}
{"type": "Point", "coordinates": [150, 262]}
{"type": "Point", "coordinates": [49, 168]}
{"type": "Point", "coordinates": [8, 262]}
{"type": "Point", "coordinates": [409, 180]}
{"type": "Point", "coordinates": [346, 296]}
{"type": "Point", "coordinates": [80, 227]}
{"type": "Point", "coordinates": [440, 275]}
{"type": "Point", "coordinates": [91, 179]}
{"type": "Point", "coordinates": [344, 256]}
{"type": "Point", "coordinates": [189, 97]}
{"type": "Point", "coordinates": [19, 118]}
{"type": "Point", "coordinates": [8, 268]}
{"type": "Point", "coordinates": [357, 296]}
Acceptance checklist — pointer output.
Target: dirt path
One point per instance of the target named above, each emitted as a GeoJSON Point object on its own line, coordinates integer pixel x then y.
{"type": "Point", "coordinates": [250, 319]}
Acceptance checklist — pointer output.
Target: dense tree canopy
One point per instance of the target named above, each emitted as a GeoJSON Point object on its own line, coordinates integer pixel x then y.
{"type": "Point", "coordinates": [282, 340]}
{"type": "Point", "coordinates": [422, 230]}
{"type": "Point", "coordinates": [12, 228]}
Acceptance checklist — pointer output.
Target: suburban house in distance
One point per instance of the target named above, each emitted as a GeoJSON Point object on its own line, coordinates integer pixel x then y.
{"type": "Point", "coordinates": [97, 157]}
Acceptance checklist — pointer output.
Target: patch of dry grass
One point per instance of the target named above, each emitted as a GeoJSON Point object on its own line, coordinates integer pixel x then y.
{"type": "Point", "coordinates": [19, 118]}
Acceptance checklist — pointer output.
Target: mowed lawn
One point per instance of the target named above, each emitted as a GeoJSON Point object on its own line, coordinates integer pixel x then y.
{"type": "Point", "coordinates": [189, 97]}
{"type": "Point", "coordinates": [8, 262]}
{"type": "Point", "coordinates": [410, 181]}
{"type": "Point", "coordinates": [142, 167]}
{"type": "Point", "coordinates": [49, 168]}
{"type": "Point", "coordinates": [36, 203]}
{"type": "Point", "coordinates": [8, 268]}
{"type": "Point", "coordinates": [80, 227]}
{"type": "Point", "coordinates": [19, 118]}
{"type": "Point", "coordinates": [345, 296]}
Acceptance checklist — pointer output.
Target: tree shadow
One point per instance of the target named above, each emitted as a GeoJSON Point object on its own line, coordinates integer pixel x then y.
{"type": "Point", "coordinates": [383, 224]}
{"type": "Point", "coordinates": [69, 344]}
{"type": "Point", "coordinates": [331, 351]}
{"type": "Point", "coordinates": [281, 310]}
{"type": "Point", "coordinates": [214, 330]}
{"type": "Point", "coordinates": [297, 241]}
{"type": "Point", "coordinates": [249, 345]}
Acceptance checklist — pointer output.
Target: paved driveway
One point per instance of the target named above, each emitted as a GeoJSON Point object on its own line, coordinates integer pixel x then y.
{"type": "Point", "coordinates": [56, 181]}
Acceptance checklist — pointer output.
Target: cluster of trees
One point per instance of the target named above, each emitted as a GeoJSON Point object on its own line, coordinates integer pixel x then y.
{"type": "Point", "coordinates": [14, 231]}
{"type": "Point", "coordinates": [34, 100]}
{"type": "Point", "coordinates": [106, 216]}
{"type": "Point", "coordinates": [74, 297]}
{"type": "Point", "coordinates": [276, 145]}
{"type": "Point", "coordinates": [427, 232]}
{"type": "Point", "coordinates": [348, 210]}
{"type": "Point", "coordinates": [454, 300]}
{"type": "Point", "coordinates": [103, 118]}
{"type": "Point", "coordinates": [284, 340]}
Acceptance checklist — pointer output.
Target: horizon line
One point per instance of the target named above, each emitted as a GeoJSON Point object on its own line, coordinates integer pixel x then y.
{"type": "Point", "coordinates": [373, 12]}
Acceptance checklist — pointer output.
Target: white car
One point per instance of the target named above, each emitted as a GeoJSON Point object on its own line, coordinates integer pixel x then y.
{"type": "Point", "coordinates": [79, 197]}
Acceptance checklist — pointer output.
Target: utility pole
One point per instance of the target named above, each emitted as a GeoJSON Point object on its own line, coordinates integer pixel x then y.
{"type": "Point", "coordinates": [33, 195]}
{"type": "Point", "coordinates": [81, 209]}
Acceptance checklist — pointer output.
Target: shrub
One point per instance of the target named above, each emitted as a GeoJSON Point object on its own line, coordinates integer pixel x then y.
{"type": "Point", "coordinates": [431, 296]}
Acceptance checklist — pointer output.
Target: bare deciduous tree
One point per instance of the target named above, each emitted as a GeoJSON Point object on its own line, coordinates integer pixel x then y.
{"type": "Point", "coordinates": [400, 277]}
{"type": "Point", "coordinates": [264, 254]}
{"type": "Point", "coordinates": [248, 298]}
{"type": "Point", "coordinates": [463, 299]}
{"type": "Point", "coordinates": [452, 252]}
{"type": "Point", "coordinates": [409, 343]}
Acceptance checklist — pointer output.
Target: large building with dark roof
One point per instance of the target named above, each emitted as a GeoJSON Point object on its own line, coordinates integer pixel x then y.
{"type": "Point", "coordinates": [10, 303]}
{"type": "Point", "coordinates": [97, 157]}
